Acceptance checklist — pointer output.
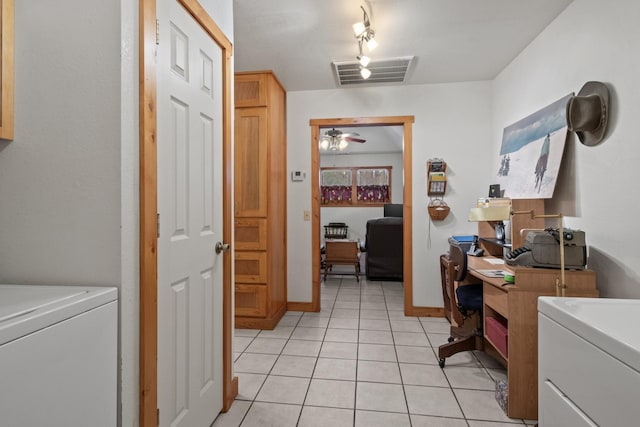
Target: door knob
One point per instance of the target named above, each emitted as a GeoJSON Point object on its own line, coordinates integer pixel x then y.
{"type": "Point", "coordinates": [222, 247]}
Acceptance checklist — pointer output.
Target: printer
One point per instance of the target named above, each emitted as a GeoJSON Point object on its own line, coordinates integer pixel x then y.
{"type": "Point", "coordinates": [542, 249]}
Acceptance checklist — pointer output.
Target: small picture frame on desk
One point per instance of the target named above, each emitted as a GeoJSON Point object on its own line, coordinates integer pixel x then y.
{"type": "Point", "coordinates": [494, 190]}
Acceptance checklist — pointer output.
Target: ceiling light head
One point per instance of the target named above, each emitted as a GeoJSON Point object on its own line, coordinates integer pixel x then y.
{"type": "Point", "coordinates": [358, 29]}
{"type": "Point", "coordinates": [343, 144]}
{"type": "Point", "coordinates": [371, 42]}
{"type": "Point", "coordinates": [324, 143]}
{"type": "Point", "coordinates": [364, 60]}
{"type": "Point", "coordinates": [365, 73]}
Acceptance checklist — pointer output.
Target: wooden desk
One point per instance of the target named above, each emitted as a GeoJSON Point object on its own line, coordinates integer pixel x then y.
{"type": "Point", "coordinates": [516, 305]}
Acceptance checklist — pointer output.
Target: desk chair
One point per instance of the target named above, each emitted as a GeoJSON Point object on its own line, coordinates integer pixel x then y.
{"type": "Point", "coordinates": [463, 306]}
{"type": "Point", "coordinates": [341, 252]}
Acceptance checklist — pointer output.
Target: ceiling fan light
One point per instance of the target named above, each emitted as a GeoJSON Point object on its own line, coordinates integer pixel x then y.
{"type": "Point", "coordinates": [365, 73]}
{"type": "Point", "coordinates": [343, 144]}
{"type": "Point", "coordinates": [324, 143]}
{"type": "Point", "coordinates": [358, 29]}
{"type": "Point", "coordinates": [364, 60]}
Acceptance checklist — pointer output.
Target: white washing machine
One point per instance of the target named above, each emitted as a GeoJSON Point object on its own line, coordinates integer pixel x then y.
{"type": "Point", "coordinates": [588, 362]}
{"type": "Point", "coordinates": [58, 356]}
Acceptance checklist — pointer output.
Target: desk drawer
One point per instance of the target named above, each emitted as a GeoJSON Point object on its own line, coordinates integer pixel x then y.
{"type": "Point", "coordinates": [496, 299]}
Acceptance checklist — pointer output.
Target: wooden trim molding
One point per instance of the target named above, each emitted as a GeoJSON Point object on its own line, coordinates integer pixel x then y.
{"type": "Point", "coordinates": [208, 24]}
{"type": "Point", "coordinates": [406, 122]}
{"type": "Point", "coordinates": [230, 383]}
{"type": "Point", "coordinates": [6, 68]}
{"type": "Point", "coordinates": [407, 229]}
{"type": "Point", "coordinates": [426, 312]}
{"type": "Point", "coordinates": [315, 218]}
{"type": "Point", "coordinates": [148, 216]}
{"type": "Point", "coordinates": [149, 209]}
{"type": "Point", "coordinates": [300, 306]}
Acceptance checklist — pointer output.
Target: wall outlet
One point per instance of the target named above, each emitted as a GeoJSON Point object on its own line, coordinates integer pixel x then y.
{"type": "Point", "coordinates": [307, 215]}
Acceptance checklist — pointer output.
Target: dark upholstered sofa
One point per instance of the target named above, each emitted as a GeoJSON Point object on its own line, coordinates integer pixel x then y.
{"type": "Point", "coordinates": [383, 245]}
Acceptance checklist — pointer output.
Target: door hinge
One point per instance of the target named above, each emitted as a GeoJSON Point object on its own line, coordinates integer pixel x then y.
{"type": "Point", "coordinates": [158, 225]}
{"type": "Point", "coordinates": [157, 416]}
{"type": "Point", "coordinates": [157, 31]}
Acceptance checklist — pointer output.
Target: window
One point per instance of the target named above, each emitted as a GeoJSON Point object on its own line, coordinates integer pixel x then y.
{"type": "Point", "coordinates": [336, 186]}
{"type": "Point", "coordinates": [355, 186]}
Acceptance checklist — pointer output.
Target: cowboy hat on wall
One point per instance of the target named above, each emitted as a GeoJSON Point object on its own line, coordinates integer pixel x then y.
{"type": "Point", "coordinates": [588, 113]}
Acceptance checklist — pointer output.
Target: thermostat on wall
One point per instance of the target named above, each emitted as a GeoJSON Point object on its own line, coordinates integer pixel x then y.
{"type": "Point", "coordinates": [298, 176]}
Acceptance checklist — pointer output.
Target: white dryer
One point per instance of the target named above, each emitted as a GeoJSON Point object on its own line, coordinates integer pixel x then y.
{"type": "Point", "coordinates": [588, 362]}
{"type": "Point", "coordinates": [58, 356]}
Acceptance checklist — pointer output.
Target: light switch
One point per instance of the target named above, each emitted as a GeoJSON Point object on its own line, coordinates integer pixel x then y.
{"type": "Point", "coordinates": [307, 215]}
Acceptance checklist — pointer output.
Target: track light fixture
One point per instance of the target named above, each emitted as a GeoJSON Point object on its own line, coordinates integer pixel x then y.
{"type": "Point", "coordinates": [365, 35]}
{"type": "Point", "coordinates": [364, 60]}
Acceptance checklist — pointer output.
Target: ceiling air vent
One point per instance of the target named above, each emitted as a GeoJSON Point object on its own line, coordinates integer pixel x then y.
{"type": "Point", "coordinates": [393, 70]}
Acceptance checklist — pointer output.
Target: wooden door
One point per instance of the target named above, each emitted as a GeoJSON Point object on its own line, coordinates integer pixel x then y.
{"type": "Point", "coordinates": [190, 183]}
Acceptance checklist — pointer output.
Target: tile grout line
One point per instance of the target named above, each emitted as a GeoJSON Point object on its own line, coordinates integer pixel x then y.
{"type": "Point", "coordinates": [355, 386]}
{"type": "Point", "coordinates": [395, 350]}
{"type": "Point", "coordinates": [455, 396]}
{"type": "Point", "coordinates": [313, 371]}
{"type": "Point", "coordinates": [253, 400]}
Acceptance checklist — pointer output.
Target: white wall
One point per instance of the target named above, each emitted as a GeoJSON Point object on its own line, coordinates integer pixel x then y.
{"type": "Point", "coordinates": [452, 121]}
{"type": "Point", "coordinates": [60, 177]}
{"type": "Point", "coordinates": [590, 40]}
{"type": "Point", "coordinates": [357, 217]}
{"type": "Point", "coordinates": [69, 180]}
{"type": "Point", "coordinates": [129, 213]}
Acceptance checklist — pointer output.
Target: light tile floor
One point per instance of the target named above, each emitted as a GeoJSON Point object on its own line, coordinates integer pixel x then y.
{"type": "Point", "coordinates": [360, 362]}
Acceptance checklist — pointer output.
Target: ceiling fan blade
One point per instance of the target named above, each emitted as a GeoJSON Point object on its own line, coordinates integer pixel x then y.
{"type": "Point", "coordinates": [335, 133]}
{"type": "Point", "coordinates": [352, 139]}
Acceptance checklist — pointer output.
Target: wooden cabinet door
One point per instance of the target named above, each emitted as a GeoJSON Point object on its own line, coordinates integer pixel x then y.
{"type": "Point", "coordinates": [250, 234]}
{"type": "Point", "coordinates": [251, 162]}
{"type": "Point", "coordinates": [251, 300]}
{"type": "Point", "coordinates": [250, 90]}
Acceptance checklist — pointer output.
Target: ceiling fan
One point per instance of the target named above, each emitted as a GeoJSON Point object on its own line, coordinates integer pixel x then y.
{"type": "Point", "coordinates": [336, 140]}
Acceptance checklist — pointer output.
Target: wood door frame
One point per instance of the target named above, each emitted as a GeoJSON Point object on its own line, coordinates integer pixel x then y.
{"type": "Point", "coordinates": [407, 235]}
{"type": "Point", "coordinates": [148, 393]}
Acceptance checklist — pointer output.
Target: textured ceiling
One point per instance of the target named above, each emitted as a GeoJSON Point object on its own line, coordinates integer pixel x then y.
{"type": "Point", "coordinates": [452, 40]}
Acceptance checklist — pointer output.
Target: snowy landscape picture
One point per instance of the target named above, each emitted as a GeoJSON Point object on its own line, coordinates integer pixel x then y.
{"type": "Point", "coordinates": [531, 153]}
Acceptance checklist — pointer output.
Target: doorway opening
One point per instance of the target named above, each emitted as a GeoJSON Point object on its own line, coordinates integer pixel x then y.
{"type": "Point", "coordinates": [406, 123]}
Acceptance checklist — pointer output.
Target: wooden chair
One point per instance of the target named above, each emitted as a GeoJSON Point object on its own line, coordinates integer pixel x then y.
{"type": "Point", "coordinates": [341, 252]}
{"type": "Point", "coordinates": [462, 306]}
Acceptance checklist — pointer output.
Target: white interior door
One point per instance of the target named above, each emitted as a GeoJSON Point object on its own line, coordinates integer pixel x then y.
{"type": "Point", "coordinates": [190, 206]}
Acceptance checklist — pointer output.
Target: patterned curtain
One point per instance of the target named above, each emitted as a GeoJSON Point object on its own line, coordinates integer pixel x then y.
{"type": "Point", "coordinates": [335, 193]}
{"type": "Point", "coordinates": [373, 193]}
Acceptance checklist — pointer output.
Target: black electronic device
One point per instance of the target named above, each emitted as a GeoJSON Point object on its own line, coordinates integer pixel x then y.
{"type": "Point", "coordinates": [393, 209]}
{"type": "Point", "coordinates": [475, 250]}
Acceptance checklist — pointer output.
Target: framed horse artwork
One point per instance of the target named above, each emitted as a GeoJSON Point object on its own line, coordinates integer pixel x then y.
{"type": "Point", "coordinates": [531, 153]}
